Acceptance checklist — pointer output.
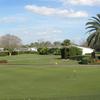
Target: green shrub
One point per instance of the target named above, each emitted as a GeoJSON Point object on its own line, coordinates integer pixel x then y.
{"type": "Point", "coordinates": [43, 51]}
{"type": "Point", "coordinates": [4, 53]}
{"type": "Point", "coordinates": [64, 53]}
{"type": "Point", "coordinates": [71, 52]}
{"type": "Point", "coordinates": [78, 57]}
{"type": "Point", "coordinates": [46, 51]}
{"type": "Point", "coordinates": [27, 52]}
{"type": "Point", "coordinates": [98, 57]}
{"type": "Point", "coordinates": [86, 60]}
{"type": "Point", "coordinates": [14, 53]}
{"type": "Point", "coordinates": [55, 51]}
{"type": "Point", "coordinates": [97, 52]}
{"type": "Point", "coordinates": [74, 51]}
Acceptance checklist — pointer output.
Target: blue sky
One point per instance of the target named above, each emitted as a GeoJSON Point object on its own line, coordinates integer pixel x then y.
{"type": "Point", "coordinates": [53, 20]}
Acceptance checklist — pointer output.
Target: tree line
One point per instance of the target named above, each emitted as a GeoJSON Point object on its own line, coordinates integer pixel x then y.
{"type": "Point", "coordinates": [10, 42]}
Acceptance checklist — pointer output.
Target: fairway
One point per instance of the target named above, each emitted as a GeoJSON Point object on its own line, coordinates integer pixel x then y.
{"type": "Point", "coordinates": [38, 77]}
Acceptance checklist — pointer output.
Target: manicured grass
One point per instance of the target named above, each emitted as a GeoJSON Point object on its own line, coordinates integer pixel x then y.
{"type": "Point", "coordinates": [35, 77]}
{"type": "Point", "coordinates": [37, 59]}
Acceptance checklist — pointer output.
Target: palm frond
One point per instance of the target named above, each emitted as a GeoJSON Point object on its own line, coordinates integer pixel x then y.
{"type": "Point", "coordinates": [96, 19]}
{"type": "Point", "coordinates": [93, 23]}
{"type": "Point", "coordinates": [96, 38]}
{"type": "Point", "coordinates": [98, 15]}
{"type": "Point", "coordinates": [92, 30]}
{"type": "Point", "coordinates": [90, 39]}
{"type": "Point", "coordinates": [91, 27]}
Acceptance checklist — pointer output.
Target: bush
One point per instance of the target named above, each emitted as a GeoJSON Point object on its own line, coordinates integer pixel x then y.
{"type": "Point", "coordinates": [71, 52]}
{"type": "Point", "coordinates": [4, 53]}
{"type": "Point", "coordinates": [65, 53]}
{"type": "Point", "coordinates": [46, 51]}
{"type": "Point", "coordinates": [97, 52]}
{"type": "Point", "coordinates": [27, 52]}
{"type": "Point", "coordinates": [78, 57]}
{"type": "Point", "coordinates": [43, 51]}
{"type": "Point", "coordinates": [86, 60]}
{"type": "Point", "coordinates": [55, 51]}
{"type": "Point", "coordinates": [74, 51]}
{"type": "Point", "coordinates": [14, 53]}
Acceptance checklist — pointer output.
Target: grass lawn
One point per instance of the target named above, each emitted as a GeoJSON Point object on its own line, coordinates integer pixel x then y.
{"type": "Point", "coordinates": [35, 77]}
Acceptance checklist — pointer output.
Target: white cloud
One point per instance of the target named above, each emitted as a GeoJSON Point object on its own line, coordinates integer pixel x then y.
{"type": "Point", "coordinates": [11, 19]}
{"type": "Point", "coordinates": [30, 34]}
{"type": "Point", "coordinates": [82, 2]}
{"type": "Point", "coordinates": [50, 34]}
{"type": "Point", "coordinates": [47, 11]}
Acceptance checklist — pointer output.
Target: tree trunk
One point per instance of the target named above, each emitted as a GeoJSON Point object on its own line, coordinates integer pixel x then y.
{"type": "Point", "coordinates": [9, 53]}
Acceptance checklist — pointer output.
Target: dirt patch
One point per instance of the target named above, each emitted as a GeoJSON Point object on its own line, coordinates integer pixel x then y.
{"type": "Point", "coordinates": [3, 61]}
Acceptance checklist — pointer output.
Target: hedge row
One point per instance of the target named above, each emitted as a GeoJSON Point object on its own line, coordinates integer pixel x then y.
{"type": "Point", "coordinates": [71, 53]}
{"type": "Point", "coordinates": [47, 51]}
{"type": "Point", "coordinates": [87, 59]}
{"type": "Point", "coordinates": [17, 53]}
{"type": "Point", "coordinates": [4, 53]}
{"type": "Point", "coordinates": [41, 51]}
{"type": "Point", "coordinates": [27, 52]}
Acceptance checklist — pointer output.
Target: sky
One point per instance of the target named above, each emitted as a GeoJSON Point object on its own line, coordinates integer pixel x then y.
{"type": "Point", "coordinates": [47, 20]}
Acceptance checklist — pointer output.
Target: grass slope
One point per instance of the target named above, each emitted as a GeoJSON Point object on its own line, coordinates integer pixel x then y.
{"type": "Point", "coordinates": [35, 77]}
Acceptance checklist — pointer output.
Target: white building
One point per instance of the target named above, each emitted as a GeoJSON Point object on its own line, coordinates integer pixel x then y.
{"type": "Point", "coordinates": [85, 50]}
{"type": "Point", "coordinates": [26, 49]}
{"type": "Point", "coordinates": [32, 49]}
{"type": "Point", "coordinates": [1, 49]}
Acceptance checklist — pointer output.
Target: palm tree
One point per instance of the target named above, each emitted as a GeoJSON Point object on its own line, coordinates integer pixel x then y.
{"type": "Point", "coordinates": [66, 42]}
{"type": "Point", "coordinates": [94, 30]}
